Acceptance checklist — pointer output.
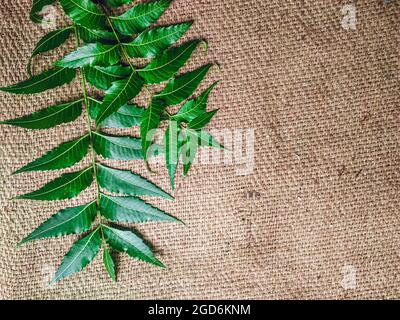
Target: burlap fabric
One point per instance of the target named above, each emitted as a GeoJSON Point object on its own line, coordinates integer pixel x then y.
{"type": "Point", "coordinates": [318, 217]}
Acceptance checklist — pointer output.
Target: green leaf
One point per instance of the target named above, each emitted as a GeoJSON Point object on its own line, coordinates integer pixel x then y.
{"type": "Point", "coordinates": [67, 186]}
{"type": "Point", "coordinates": [109, 264]}
{"type": "Point", "coordinates": [91, 35]}
{"type": "Point", "coordinates": [152, 42]}
{"type": "Point", "coordinates": [117, 148]}
{"type": "Point", "coordinates": [64, 156]}
{"type": "Point", "coordinates": [37, 7]}
{"type": "Point", "coordinates": [189, 150]}
{"type": "Point", "coordinates": [68, 221]}
{"type": "Point", "coordinates": [49, 42]}
{"type": "Point", "coordinates": [52, 40]}
{"type": "Point", "coordinates": [103, 77]}
{"type": "Point", "coordinates": [80, 255]}
{"type": "Point", "coordinates": [150, 121]}
{"type": "Point", "coordinates": [90, 55]}
{"type": "Point", "coordinates": [134, 246]}
{"type": "Point", "coordinates": [194, 108]}
{"type": "Point", "coordinates": [85, 13]}
{"type": "Point", "coordinates": [124, 182]}
{"type": "Point", "coordinates": [49, 117]}
{"type": "Point", "coordinates": [116, 3]}
{"type": "Point", "coordinates": [119, 94]}
{"type": "Point", "coordinates": [172, 145]}
{"type": "Point", "coordinates": [47, 80]}
{"type": "Point", "coordinates": [202, 120]}
{"type": "Point", "coordinates": [182, 87]}
{"type": "Point", "coordinates": [125, 117]}
{"type": "Point", "coordinates": [206, 139]}
{"type": "Point", "coordinates": [165, 66]}
{"type": "Point", "coordinates": [140, 17]}
{"type": "Point", "coordinates": [131, 209]}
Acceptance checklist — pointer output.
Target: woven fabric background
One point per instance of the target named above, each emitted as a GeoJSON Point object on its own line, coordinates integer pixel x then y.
{"type": "Point", "coordinates": [322, 203]}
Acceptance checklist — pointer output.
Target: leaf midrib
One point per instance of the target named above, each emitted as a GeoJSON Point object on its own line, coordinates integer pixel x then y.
{"type": "Point", "coordinates": [95, 54]}
{"type": "Point", "coordinates": [169, 61]}
{"type": "Point", "coordinates": [63, 185]}
{"type": "Point", "coordinates": [124, 206]}
{"type": "Point", "coordinates": [84, 9]}
{"type": "Point", "coordinates": [132, 44]}
{"type": "Point", "coordinates": [78, 255]}
{"type": "Point", "coordinates": [116, 97]}
{"type": "Point", "coordinates": [127, 181]}
{"type": "Point", "coordinates": [61, 154]}
{"type": "Point", "coordinates": [107, 73]}
{"type": "Point", "coordinates": [35, 52]}
{"type": "Point", "coordinates": [185, 85]}
{"type": "Point", "coordinates": [120, 234]}
{"type": "Point", "coordinates": [48, 116]}
{"type": "Point", "coordinates": [157, 6]}
{"type": "Point", "coordinates": [110, 139]}
{"type": "Point", "coordinates": [41, 80]}
{"type": "Point", "coordinates": [63, 222]}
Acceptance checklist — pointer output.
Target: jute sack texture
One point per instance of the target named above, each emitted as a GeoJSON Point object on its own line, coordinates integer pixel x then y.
{"type": "Point", "coordinates": [317, 217]}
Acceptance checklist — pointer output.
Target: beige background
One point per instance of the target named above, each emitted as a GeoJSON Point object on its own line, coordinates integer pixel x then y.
{"type": "Point", "coordinates": [324, 104]}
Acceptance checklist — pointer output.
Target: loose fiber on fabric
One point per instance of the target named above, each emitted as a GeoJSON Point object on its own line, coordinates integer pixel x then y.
{"type": "Point", "coordinates": [321, 203]}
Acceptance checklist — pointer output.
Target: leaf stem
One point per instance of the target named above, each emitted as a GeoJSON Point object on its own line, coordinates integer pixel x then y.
{"type": "Point", "coordinates": [117, 38]}
{"type": "Point", "coordinates": [125, 54]}
{"type": "Point", "coordinates": [89, 128]}
{"type": "Point", "coordinates": [126, 57]}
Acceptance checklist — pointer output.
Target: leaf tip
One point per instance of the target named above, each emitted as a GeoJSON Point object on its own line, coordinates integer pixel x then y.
{"type": "Point", "coordinates": [218, 66]}
{"type": "Point", "coordinates": [21, 243]}
{"type": "Point", "coordinates": [18, 171]}
{"type": "Point", "coordinates": [204, 44]}
{"type": "Point", "coordinates": [169, 197]}
{"type": "Point", "coordinates": [158, 263]}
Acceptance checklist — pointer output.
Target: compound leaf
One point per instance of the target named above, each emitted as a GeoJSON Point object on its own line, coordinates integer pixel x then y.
{"type": "Point", "coordinates": [119, 94]}
{"type": "Point", "coordinates": [109, 264]}
{"type": "Point", "coordinates": [124, 182]}
{"type": "Point", "coordinates": [64, 156]}
{"type": "Point", "coordinates": [80, 255]}
{"type": "Point", "coordinates": [166, 65]}
{"type": "Point", "coordinates": [67, 186]}
{"type": "Point", "coordinates": [139, 17]}
{"type": "Point", "coordinates": [49, 117]}
{"type": "Point", "coordinates": [117, 148]}
{"type": "Point", "coordinates": [103, 77]}
{"type": "Point", "coordinates": [131, 209]}
{"type": "Point", "coordinates": [134, 246]}
{"type": "Point", "coordinates": [90, 55]}
{"type": "Point", "coordinates": [47, 80]}
{"type": "Point", "coordinates": [182, 87]}
{"type": "Point", "coordinates": [152, 42]}
{"type": "Point", "coordinates": [85, 13]}
{"type": "Point", "coordinates": [67, 221]}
